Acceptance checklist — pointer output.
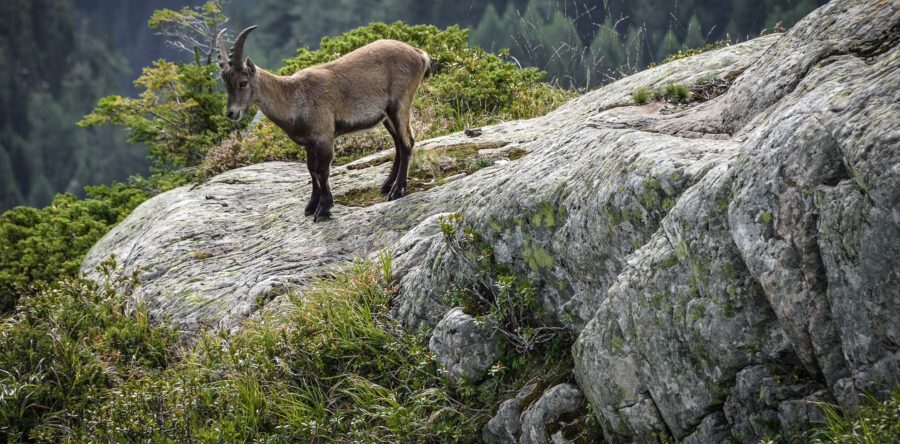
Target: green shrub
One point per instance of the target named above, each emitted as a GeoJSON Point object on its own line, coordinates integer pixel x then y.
{"type": "Point", "coordinates": [43, 245]}
{"type": "Point", "coordinates": [61, 350]}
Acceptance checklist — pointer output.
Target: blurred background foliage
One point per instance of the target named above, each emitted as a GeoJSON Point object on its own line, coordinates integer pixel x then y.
{"type": "Point", "coordinates": [62, 56]}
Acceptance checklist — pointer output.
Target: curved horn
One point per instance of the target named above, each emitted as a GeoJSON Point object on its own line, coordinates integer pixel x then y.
{"type": "Point", "coordinates": [220, 48]}
{"type": "Point", "coordinates": [237, 50]}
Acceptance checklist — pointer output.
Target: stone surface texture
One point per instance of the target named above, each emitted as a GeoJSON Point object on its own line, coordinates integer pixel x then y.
{"type": "Point", "coordinates": [506, 425]}
{"type": "Point", "coordinates": [721, 264]}
{"type": "Point", "coordinates": [463, 346]}
{"type": "Point", "coordinates": [549, 412]}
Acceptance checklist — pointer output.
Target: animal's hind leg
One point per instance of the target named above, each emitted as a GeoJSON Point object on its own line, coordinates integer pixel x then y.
{"type": "Point", "coordinates": [316, 189]}
{"type": "Point", "coordinates": [389, 183]}
{"type": "Point", "coordinates": [324, 154]}
{"type": "Point", "coordinates": [400, 121]}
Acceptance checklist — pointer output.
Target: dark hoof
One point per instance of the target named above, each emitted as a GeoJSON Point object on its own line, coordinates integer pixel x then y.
{"type": "Point", "coordinates": [386, 188]}
{"type": "Point", "coordinates": [396, 193]}
{"type": "Point", "coordinates": [322, 216]}
{"type": "Point", "coordinates": [311, 208]}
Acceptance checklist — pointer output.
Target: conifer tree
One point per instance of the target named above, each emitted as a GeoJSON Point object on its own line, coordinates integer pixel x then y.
{"type": "Point", "coordinates": [607, 53]}
{"type": "Point", "coordinates": [668, 45]}
{"type": "Point", "coordinates": [694, 37]}
{"type": "Point", "coordinates": [563, 50]}
{"type": "Point", "coordinates": [492, 32]}
{"type": "Point", "coordinates": [9, 189]}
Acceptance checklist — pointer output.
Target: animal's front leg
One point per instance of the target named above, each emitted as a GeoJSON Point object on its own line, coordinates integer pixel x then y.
{"type": "Point", "coordinates": [316, 187]}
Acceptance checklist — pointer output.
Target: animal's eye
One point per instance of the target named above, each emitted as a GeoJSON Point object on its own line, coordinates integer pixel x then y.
{"type": "Point", "coordinates": [244, 84]}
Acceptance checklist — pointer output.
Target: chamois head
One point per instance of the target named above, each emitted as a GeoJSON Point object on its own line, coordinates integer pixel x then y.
{"type": "Point", "coordinates": [239, 76]}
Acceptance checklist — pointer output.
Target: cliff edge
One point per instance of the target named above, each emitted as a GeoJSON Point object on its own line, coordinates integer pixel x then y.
{"type": "Point", "coordinates": [722, 262]}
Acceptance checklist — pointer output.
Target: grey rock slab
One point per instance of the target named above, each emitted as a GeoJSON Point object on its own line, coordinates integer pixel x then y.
{"type": "Point", "coordinates": [683, 317]}
{"type": "Point", "coordinates": [505, 426]}
{"type": "Point", "coordinates": [713, 429]}
{"type": "Point", "coordinates": [464, 347]}
{"type": "Point", "coordinates": [815, 213]}
{"type": "Point", "coordinates": [547, 413]}
{"type": "Point", "coordinates": [210, 254]}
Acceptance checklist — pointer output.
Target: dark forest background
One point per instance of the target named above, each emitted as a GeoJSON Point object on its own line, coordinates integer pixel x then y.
{"type": "Point", "coordinates": [61, 56]}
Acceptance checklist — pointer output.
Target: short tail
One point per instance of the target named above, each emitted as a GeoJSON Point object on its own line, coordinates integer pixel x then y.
{"type": "Point", "coordinates": [427, 59]}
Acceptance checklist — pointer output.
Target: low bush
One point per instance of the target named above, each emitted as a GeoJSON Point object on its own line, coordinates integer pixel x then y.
{"type": "Point", "coordinates": [63, 348]}
{"type": "Point", "coordinates": [43, 245]}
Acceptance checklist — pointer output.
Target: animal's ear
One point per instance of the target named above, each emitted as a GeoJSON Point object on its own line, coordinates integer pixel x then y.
{"type": "Point", "coordinates": [251, 68]}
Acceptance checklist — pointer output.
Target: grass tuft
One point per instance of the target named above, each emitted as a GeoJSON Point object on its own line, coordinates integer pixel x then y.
{"type": "Point", "coordinates": [642, 95]}
{"type": "Point", "coordinates": [875, 422]}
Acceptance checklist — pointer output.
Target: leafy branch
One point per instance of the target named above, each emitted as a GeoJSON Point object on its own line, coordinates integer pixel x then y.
{"type": "Point", "coordinates": [191, 29]}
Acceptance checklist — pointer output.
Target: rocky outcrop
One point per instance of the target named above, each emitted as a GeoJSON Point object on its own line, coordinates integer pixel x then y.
{"type": "Point", "coordinates": [534, 417]}
{"type": "Point", "coordinates": [548, 413]}
{"type": "Point", "coordinates": [506, 425]}
{"type": "Point", "coordinates": [464, 346]}
{"type": "Point", "coordinates": [702, 254]}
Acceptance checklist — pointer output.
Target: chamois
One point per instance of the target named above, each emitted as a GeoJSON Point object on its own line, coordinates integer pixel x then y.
{"type": "Point", "coordinates": [370, 85]}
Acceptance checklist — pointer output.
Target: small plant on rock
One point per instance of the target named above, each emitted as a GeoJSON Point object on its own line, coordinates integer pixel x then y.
{"type": "Point", "coordinates": [672, 93]}
{"type": "Point", "coordinates": [507, 299]}
{"type": "Point", "coordinates": [676, 93]}
{"type": "Point", "coordinates": [642, 95]}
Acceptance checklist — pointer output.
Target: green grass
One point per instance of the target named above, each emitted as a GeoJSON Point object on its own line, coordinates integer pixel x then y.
{"type": "Point", "coordinates": [676, 92]}
{"type": "Point", "coordinates": [642, 95]}
{"type": "Point", "coordinates": [672, 92]}
{"type": "Point", "coordinates": [62, 351]}
{"type": "Point", "coordinates": [79, 364]}
{"type": "Point", "coordinates": [875, 422]}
